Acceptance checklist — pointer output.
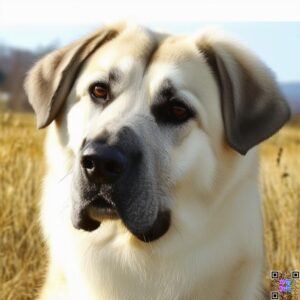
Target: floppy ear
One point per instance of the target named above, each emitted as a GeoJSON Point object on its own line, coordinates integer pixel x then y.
{"type": "Point", "coordinates": [49, 82]}
{"type": "Point", "coordinates": [253, 107]}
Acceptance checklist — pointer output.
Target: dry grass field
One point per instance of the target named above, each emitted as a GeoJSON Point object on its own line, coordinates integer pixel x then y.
{"type": "Point", "coordinates": [22, 252]}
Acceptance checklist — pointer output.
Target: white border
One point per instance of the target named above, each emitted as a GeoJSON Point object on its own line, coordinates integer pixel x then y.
{"type": "Point", "coordinates": [30, 12]}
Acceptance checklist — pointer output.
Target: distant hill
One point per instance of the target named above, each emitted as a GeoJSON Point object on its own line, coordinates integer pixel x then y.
{"type": "Point", "coordinates": [291, 91]}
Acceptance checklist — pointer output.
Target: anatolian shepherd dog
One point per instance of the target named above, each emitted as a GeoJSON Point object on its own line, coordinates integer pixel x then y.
{"type": "Point", "coordinates": [151, 189]}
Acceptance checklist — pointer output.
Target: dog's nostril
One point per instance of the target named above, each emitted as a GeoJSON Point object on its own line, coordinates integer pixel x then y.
{"type": "Point", "coordinates": [87, 163]}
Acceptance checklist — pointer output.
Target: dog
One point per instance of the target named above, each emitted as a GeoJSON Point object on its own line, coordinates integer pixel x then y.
{"type": "Point", "coordinates": [151, 190]}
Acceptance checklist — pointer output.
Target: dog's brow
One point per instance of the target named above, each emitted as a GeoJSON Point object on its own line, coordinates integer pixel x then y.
{"type": "Point", "coordinates": [114, 75]}
{"type": "Point", "coordinates": [166, 90]}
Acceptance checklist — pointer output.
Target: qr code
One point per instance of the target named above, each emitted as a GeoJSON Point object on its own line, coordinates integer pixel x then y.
{"type": "Point", "coordinates": [285, 285]}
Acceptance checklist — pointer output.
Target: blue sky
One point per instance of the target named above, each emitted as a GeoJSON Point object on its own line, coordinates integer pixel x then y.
{"type": "Point", "coordinates": [277, 43]}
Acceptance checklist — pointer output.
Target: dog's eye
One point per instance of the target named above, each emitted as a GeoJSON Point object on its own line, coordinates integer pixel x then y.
{"type": "Point", "coordinates": [99, 91]}
{"type": "Point", "coordinates": [173, 111]}
{"type": "Point", "coordinates": [178, 111]}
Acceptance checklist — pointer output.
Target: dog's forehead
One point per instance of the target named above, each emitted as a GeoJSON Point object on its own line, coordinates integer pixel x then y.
{"type": "Point", "coordinates": [133, 44]}
{"type": "Point", "coordinates": [140, 47]}
{"type": "Point", "coordinates": [174, 60]}
{"type": "Point", "coordinates": [175, 49]}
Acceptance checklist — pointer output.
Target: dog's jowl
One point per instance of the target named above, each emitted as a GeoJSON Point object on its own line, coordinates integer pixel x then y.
{"type": "Point", "coordinates": [151, 190]}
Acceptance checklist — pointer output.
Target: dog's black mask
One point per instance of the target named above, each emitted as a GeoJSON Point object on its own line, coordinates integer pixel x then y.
{"type": "Point", "coordinates": [115, 178]}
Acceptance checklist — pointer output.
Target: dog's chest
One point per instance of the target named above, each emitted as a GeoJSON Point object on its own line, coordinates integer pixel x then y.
{"type": "Point", "coordinates": [117, 273]}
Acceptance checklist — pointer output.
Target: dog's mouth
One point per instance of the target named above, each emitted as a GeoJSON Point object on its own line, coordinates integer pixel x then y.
{"type": "Point", "coordinates": [91, 216]}
{"type": "Point", "coordinates": [102, 210]}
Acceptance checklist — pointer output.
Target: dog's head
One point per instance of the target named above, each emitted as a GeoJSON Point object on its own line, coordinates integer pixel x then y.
{"type": "Point", "coordinates": [144, 113]}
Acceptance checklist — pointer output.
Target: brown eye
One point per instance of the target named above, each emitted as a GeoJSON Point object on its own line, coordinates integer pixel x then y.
{"type": "Point", "coordinates": [99, 91]}
{"type": "Point", "coordinates": [179, 112]}
{"type": "Point", "coordinates": [173, 111]}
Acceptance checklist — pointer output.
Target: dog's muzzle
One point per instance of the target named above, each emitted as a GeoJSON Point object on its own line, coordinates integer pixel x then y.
{"type": "Point", "coordinates": [112, 181]}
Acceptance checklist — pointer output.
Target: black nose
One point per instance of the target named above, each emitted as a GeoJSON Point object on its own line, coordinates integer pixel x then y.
{"type": "Point", "coordinates": [103, 163]}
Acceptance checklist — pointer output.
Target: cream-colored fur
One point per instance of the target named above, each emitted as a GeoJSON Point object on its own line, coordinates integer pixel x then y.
{"type": "Point", "coordinates": [214, 247]}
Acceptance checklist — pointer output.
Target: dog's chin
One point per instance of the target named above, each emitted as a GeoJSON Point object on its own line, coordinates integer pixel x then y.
{"type": "Point", "coordinates": [95, 214]}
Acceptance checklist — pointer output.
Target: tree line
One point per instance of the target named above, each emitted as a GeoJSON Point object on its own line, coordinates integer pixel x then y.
{"type": "Point", "coordinates": [14, 63]}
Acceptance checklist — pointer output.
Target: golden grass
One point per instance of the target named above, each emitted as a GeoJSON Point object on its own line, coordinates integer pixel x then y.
{"type": "Point", "coordinates": [280, 178]}
{"type": "Point", "coordinates": [22, 262]}
{"type": "Point", "coordinates": [22, 252]}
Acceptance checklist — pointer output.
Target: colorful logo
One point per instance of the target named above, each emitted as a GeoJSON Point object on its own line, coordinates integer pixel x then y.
{"type": "Point", "coordinates": [285, 286]}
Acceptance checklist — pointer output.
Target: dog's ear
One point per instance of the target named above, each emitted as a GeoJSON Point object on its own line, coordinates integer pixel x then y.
{"type": "Point", "coordinates": [253, 107]}
{"type": "Point", "coordinates": [49, 82]}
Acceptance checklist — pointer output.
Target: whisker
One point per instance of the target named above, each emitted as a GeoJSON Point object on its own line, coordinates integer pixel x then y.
{"type": "Point", "coordinates": [65, 176]}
